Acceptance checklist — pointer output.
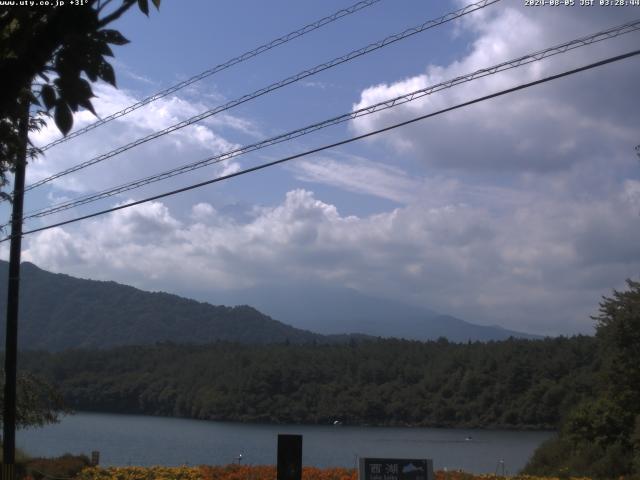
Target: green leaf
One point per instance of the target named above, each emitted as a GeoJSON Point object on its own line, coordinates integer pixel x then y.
{"type": "Point", "coordinates": [92, 68]}
{"type": "Point", "coordinates": [48, 96]}
{"type": "Point", "coordinates": [76, 92]}
{"type": "Point", "coordinates": [114, 37]}
{"type": "Point", "coordinates": [87, 105]}
{"type": "Point", "coordinates": [63, 117]}
{"type": "Point", "coordinates": [33, 100]}
{"type": "Point", "coordinates": [106, 73]}
{"type": "Point", "coordinates": [105, 50]}
{"type": "Point", "coordinates": [144, 6]}
{"type": "Point", "coordinates": [83, 88]}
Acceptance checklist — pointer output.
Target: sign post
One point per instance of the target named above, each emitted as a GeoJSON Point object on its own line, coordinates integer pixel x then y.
{"type": "Point", "coordinates": [395, 469]}
{"type": "Point", "coordinates": [289, 457]}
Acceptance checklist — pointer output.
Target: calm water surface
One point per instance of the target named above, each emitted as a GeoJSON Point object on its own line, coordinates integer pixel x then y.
{"type": "Point", "coordinates": [143, 440]}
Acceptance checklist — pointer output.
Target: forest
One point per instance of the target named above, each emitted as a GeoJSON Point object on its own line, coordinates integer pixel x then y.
{"type": "Point", "coordinates": [511, 384]}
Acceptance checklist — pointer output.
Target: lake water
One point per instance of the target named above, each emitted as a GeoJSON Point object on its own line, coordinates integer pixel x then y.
{"type": "Point", "coordinates": [144, 440]}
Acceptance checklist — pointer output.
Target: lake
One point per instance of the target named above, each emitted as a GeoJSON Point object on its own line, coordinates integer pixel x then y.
{"type": "Point", "coordinates": [145, 440]}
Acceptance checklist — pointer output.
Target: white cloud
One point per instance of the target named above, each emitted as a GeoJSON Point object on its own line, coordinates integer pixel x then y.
{"type": "Point", "coordinates": [543, 129]}
{"type": "Point", "coordinates": [202, 211]}
{"type": "Point", "coordinates": [526, 212]}
{"type": "Point", "coordinates": [359, 175]}
{"type": "Point", "coordinates": [180, 147]}
{"type": "Point", "coordinates": [542, 267]}
{"type": "Point", "coordinates": [314, 84]}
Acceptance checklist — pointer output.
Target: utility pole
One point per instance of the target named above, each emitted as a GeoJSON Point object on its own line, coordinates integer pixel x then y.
{"type": "Point", "coordinates": [11, 346]}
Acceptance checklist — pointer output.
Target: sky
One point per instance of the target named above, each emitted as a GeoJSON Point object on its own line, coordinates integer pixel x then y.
{"type": "Point", "coordinates": [520, 211]}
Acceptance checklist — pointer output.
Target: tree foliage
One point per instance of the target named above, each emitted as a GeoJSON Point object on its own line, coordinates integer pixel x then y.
{"type": "Point", "coordinates": [38, 403]}
{"type": "Point", "coordinates": [618, 332]}
{"type": "Point", "coordinates": [383, 382]}
{"type": "Point", "coordinates": [601, 436]}
{"type": "Point", "coordinates": [48, 59]}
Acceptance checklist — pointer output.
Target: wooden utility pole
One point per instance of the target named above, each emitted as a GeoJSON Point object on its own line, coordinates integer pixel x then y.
{"type": "Point", "coordinates": [13, 297]}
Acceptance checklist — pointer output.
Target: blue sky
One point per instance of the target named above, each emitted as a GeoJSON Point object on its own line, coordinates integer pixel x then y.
{"type": "Point", "coordinates": [521, 211]}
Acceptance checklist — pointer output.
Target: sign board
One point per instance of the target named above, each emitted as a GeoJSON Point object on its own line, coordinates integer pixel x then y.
{"type": "Point", "coordinates": [395, 469]}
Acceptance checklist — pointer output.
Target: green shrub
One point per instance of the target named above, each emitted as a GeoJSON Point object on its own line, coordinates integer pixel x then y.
{"type": "Point", "coordinates": [562, 458]}
{"type": "Point", "coordinates": [549, 459]}
{"type": "Point", "coordinates": [635, 442]}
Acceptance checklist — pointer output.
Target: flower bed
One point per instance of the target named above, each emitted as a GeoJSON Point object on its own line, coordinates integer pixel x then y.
{"type": "Point", "coordinates": [245, 472]}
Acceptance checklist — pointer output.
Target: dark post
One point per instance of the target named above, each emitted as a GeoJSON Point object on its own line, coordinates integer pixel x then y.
{"type": "Point", "coordinates": [289, 457]}
{"type": "Point", "coordinates": [11, 348]}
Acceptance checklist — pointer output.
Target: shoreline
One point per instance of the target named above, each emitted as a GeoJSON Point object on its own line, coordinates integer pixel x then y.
{"type": "Point", "coordinates": [488, 428]}
{"type": "Point", "coordinates": [150, 440]}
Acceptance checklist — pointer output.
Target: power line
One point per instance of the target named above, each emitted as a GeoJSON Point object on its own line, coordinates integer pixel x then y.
{"type": "Point", "coordinates": [337, 144]}
{"type": "Point", "coordinates": [390, 103]}
{"type": "Point", "coordinates": [274, 86]}
{"type": "Point", "coordinates": [218, 68]}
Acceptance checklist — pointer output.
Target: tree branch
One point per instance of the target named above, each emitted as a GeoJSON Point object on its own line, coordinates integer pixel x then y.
{"type": "Point", "coordinates": [102, 5]}
{"type": "Point", "coordinates": [126, 5]}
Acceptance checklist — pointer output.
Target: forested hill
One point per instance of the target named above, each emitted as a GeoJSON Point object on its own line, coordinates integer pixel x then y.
{"type": "Point", "coordinates": [512, 384]}
{"type": "Point", "coordinates": [58, 311]}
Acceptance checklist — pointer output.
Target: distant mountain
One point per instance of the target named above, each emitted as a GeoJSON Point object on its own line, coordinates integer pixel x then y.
{"type": "Point", "coordinates": [59, 311]}
{"type": "Point", "coordinates": [333, 310]}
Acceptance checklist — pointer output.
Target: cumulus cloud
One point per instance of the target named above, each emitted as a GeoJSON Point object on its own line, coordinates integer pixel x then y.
{"type": "Point", "coordinates": [524, 213]}
{"type": "Point", "coordinates": [201, 211]}
{"type": "Point", "coordinates": [547, 128]}
{"type": "Point", "coordinates": [532, 270]}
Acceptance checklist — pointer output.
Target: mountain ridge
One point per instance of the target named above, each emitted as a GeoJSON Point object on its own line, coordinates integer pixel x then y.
{"type": "Point", "coordinates": [59, 311]}
{"type": "Point", "coordinates": [332, 310]}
